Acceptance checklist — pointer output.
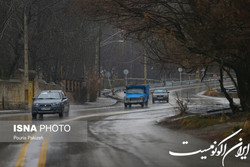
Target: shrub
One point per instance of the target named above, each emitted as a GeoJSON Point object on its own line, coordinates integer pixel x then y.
{"type": "Point", "coordinates": [80, 96]}
{"type": "Point", "coordinates": [93, 91]}
{"type": "Point", "coordinates": [182, 104]}
{"type": "Point", "coordinates": [93, 85]}
{"type": "Point", "coordinates": [211, 92]}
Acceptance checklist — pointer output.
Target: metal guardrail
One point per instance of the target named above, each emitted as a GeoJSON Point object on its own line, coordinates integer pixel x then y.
{"type": "Point", "coordinates": [171, 83]}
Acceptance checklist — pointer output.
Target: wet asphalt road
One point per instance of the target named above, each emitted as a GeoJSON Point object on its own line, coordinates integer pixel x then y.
{"type": "Point", "coordinates": [120, 137]}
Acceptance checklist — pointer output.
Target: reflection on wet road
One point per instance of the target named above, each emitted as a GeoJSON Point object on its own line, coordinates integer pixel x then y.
{"type": "Point", "coordinates": [118, 137]}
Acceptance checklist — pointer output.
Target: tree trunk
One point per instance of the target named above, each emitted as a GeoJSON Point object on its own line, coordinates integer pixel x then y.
{"type": "Point", "coordinates": [243, 79]}
{"type": "Point", "coordinates": [232, 105]}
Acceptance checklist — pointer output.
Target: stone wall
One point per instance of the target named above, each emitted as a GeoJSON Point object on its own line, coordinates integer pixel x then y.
{"type": "Point", "coordinates": [12, 92]}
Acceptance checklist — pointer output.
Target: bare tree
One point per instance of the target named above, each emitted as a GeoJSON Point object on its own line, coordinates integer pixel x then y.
{"type": "Point", "coordinates": [55, 34]}
{"type": "Point", "coordinates": [193, 34]}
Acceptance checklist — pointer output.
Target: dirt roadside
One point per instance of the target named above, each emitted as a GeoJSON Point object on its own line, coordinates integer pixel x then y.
{"type": "Point", "coordinates": [216, 129]}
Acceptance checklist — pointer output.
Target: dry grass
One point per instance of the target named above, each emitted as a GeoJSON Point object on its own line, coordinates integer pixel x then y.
{"type": "Point", "coordinates": [197, 122]}
{"type": "Point", "coordinates": [245, 133]}
{"type": "Point", "coordinates": [211, 92]}
{"type": "Point", "coordinates": [215, 127]}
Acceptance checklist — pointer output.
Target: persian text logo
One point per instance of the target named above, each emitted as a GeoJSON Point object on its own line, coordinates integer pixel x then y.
{"type": "Point", "coordinates": [220, 149]}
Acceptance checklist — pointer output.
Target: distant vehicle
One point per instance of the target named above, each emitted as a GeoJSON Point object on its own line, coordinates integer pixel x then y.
{"type": "Point", "coordinates": [231, 90]}
{"type": "Point", "coordinates": [136, 94]}
{"type": "Point", "coordinates": [160, 95]}
{"type": "Point", "coordinates": [50, 102]}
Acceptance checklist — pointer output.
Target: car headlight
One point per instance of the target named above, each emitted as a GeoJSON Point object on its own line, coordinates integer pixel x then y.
{"type": "Point", "coordinates": [36, 104]}
{"type": "Point", "coordinates": [56, 104]}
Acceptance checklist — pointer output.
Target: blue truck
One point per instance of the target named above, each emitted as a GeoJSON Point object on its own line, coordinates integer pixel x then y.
{"type": "Point", "coordinates": [136, 94]}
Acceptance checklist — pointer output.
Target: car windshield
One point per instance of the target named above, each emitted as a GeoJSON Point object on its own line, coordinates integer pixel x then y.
{"type": "Point", "coordinates": [160, 91]}
{"type": "Point", "coordinates": [135, 91]}
{"type": "Point", "coordinates": [49, 95]}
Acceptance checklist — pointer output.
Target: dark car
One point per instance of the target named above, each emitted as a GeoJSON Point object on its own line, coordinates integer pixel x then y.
{"type": "Point", "coordinates": [50, 102]}
{"type": "Point", "coordinates": [160, 95]}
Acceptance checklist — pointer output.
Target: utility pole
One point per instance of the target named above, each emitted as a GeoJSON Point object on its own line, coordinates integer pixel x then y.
{"type": "Point", "coordinates": [180, 70]}
{"type": "Point", "coordinates": [97, 58]}
{"type": "Point", "coordinates": [26, 68]}
{"type": "Point", "coordinates": [83, 63]}
{"type": "Point", "coordinates": [145, 68]}
{"type": "Point", "coordinates": [165, 77]}
{"type": "Point", "coordinates": [84, 68]}
{"type": "Point", "coordinates": [97, 52]}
